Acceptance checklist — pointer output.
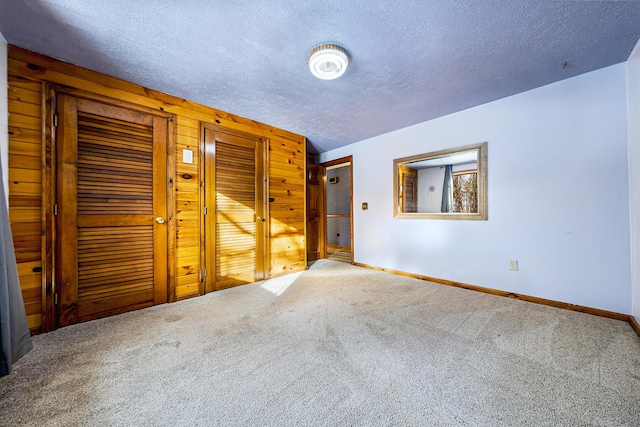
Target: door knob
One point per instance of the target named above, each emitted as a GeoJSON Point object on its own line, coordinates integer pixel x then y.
{"type": "Point", "coordinates": [260, 218]}
{"type": "Point", "coordinates": [160, 220]}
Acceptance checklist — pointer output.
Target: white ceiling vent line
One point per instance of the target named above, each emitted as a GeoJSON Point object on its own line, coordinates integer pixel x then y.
{"type": "Point", "coordinates": [328, 61]}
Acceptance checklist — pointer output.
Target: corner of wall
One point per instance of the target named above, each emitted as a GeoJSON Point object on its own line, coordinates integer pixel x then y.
{"type": "Point", "coordinates": [633, 141]}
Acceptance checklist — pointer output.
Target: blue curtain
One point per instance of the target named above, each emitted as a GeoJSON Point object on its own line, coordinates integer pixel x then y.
{"type": "Point", "coordinates": [15, 337]}
{"type": "Point", "coordinates": [447, 190]}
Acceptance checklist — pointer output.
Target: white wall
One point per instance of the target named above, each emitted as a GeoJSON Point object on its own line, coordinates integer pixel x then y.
{"type": "Point", "coordinates": [633, 120]}
{"type": "Point", "coordinates": [339, 194]}
{"type": "Point", "coordinates": [4, 111]}
{"type": "Point", "coordinates": [430, 200]}
{"type": "Point", "coordinates": [558, 197]}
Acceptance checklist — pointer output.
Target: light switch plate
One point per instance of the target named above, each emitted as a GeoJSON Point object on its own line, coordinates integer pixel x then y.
{"type": "Point", "coordinates": [187, 156]}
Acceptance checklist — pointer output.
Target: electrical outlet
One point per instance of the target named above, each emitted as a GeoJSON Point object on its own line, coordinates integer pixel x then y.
{"type": "Point", "coordinates": [513, 264]}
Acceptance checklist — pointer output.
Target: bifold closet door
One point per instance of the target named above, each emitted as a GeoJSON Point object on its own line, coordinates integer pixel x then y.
{"type": "Point", "coordinates": [234, 198]}
{"type": "Point", "coordinates": [112, 205]}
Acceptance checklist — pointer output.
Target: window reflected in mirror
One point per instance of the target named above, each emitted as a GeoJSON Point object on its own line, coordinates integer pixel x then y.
{"type": "Point", "coordinates": [447, 184]}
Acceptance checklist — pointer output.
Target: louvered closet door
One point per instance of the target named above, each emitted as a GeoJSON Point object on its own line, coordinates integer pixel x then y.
{"type": "Point", "coordinates": [112, 191]}
{"type": "Point", "coordinates": [238, 219]}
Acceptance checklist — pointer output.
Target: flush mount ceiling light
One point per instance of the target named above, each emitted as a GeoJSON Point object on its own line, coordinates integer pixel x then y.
{"type": "Point", "coordinates": [328, 61]}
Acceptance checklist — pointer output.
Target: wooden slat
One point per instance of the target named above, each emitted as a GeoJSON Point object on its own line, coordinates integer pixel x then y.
{"type": "Point", "coordinates": [287, 150]}
{"type": "Point", "coordinates": [296, 195]}
{"type": "Point", "coordinates": [287, 185]}
{"type": "Point", "coordinates": [186, 280]}
{"type": "Point", "coordinates": [34, 321]}
{"type": "Point", "coordinates": [103, 256]}
{"type": "Point", "coordinates": [188, 242]}
{"type": "Point", "coordinates": [286, 258]}
{"type": "Point", "coordinates": [24, 148]}
{"type": "Point", "coordinates": [285, 159]}
{"type": "Point", "coordinates": [25, 162]}
{"type": "Point", "coordinates": [188, 252]}
{"type": "Point", "coordinates": [100, 264]}
{"type": "Point", "coordinates": [28, 256]}
{"type": "Point", "coordinates": [115, 175]}
{"type": "Point", "coordinates": [187, 290]}
{"type": "Point", "coordinates": [289, 267]}
{"type": "Point", "coordinates": [28, 268]}
{"type": "Point", "coordinates": [17, 215]}
{"type": "Point", "coordinates": [18, 82]}
{"type": "Point", "coordinates": [26, 109]}
{"type": "Point", "coordinates": [93, 309]}
{"type": "Point", "coordinates": [187, 142]}
{"type": "Point", "coordinates": [31, 201]}
{"type": "Point", "coordinates": [287, 229]}
{"type": "Point", "coordinates": [16, 93]}
{"type": "Point", "coordinates": [30, 281]}
{"type": "Point", "coordinates": [23, 121]}
{"type": "Point", "coordinates": [16, 187]}
{"type": "Point", "coordinates": [19, 133]}
{"type": "Point", "coordinates": [185, 168]}
{"type": "Point", "coordinates": [26, 243]}
{"type": "Point", "coordinates": [286, 243]}
{"type": "Point", "coordinates": [86, 295]}
{"type": "Point", "coordinates": [285, 169]}
{"type": "Point", "coordinates": [25, 175]}
{"type": "Point", "coordinates": [187, 187]}
{"type": "Point", "coordinates": [189, 215]}
{"type": "Point", "coordinates": [188, 265]}
{"type": "Point", "coordinates": [25, 228]}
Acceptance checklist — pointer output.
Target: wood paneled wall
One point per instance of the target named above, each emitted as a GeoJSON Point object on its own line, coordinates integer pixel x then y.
{"type": "Point", "coordinates": [25, 190]}
{"type": "Point", "coordinates": [287, 210]}
{"type": "Point", "coordinates": [30, 204]}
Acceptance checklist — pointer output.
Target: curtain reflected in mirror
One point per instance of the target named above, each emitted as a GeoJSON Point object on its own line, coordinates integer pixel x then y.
{"type": "Point", "coordinates": [447, 184]}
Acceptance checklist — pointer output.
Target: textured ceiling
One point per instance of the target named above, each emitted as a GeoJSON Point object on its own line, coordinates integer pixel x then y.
{"type": "Point", "coordinates": [411, 61]}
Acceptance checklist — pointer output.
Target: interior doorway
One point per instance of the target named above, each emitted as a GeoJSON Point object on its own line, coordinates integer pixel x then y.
{"type": "Point", "coordinates": [338, 208]}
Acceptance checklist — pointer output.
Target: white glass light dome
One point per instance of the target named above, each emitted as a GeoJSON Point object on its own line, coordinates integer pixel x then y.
{"type": "Point", "coordinates": [328, 61]}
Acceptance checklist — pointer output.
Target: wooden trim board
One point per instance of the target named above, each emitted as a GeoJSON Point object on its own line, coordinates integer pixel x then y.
{"type": "Point", "coordinates": [634, 324]}
{"type": "Point", "coordinates": [552, 303]}
{"type": "Point", "coordinates": [344, 248]}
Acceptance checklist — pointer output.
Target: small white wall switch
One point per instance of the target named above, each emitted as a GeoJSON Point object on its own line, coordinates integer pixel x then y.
{"type": "Point", "coordinates": [187, 156]}
{"type": "Point", "coordinates": [513, 264]}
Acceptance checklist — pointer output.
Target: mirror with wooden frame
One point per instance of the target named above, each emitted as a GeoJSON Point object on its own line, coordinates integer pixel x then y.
{"type": "Point", "coordinates": [446, 184]}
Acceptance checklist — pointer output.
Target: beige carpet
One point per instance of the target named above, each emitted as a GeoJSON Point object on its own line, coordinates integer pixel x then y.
{"type": "Point", "coordinates": [341, 345]}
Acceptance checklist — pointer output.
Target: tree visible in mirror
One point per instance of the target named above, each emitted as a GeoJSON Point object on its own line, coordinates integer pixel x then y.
{"type": "Point", "coordinates": [465, 192]}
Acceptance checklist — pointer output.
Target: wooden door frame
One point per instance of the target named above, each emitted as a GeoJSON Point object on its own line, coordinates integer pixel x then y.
{"type": "Point", "coordinates": [320, 243]}
{"type": "Point", "coordinates": [49, 187]}
{"type": "Point", "coordinates": [206, 235]}
{"type": "Point", "coordinates": [323, 227]}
